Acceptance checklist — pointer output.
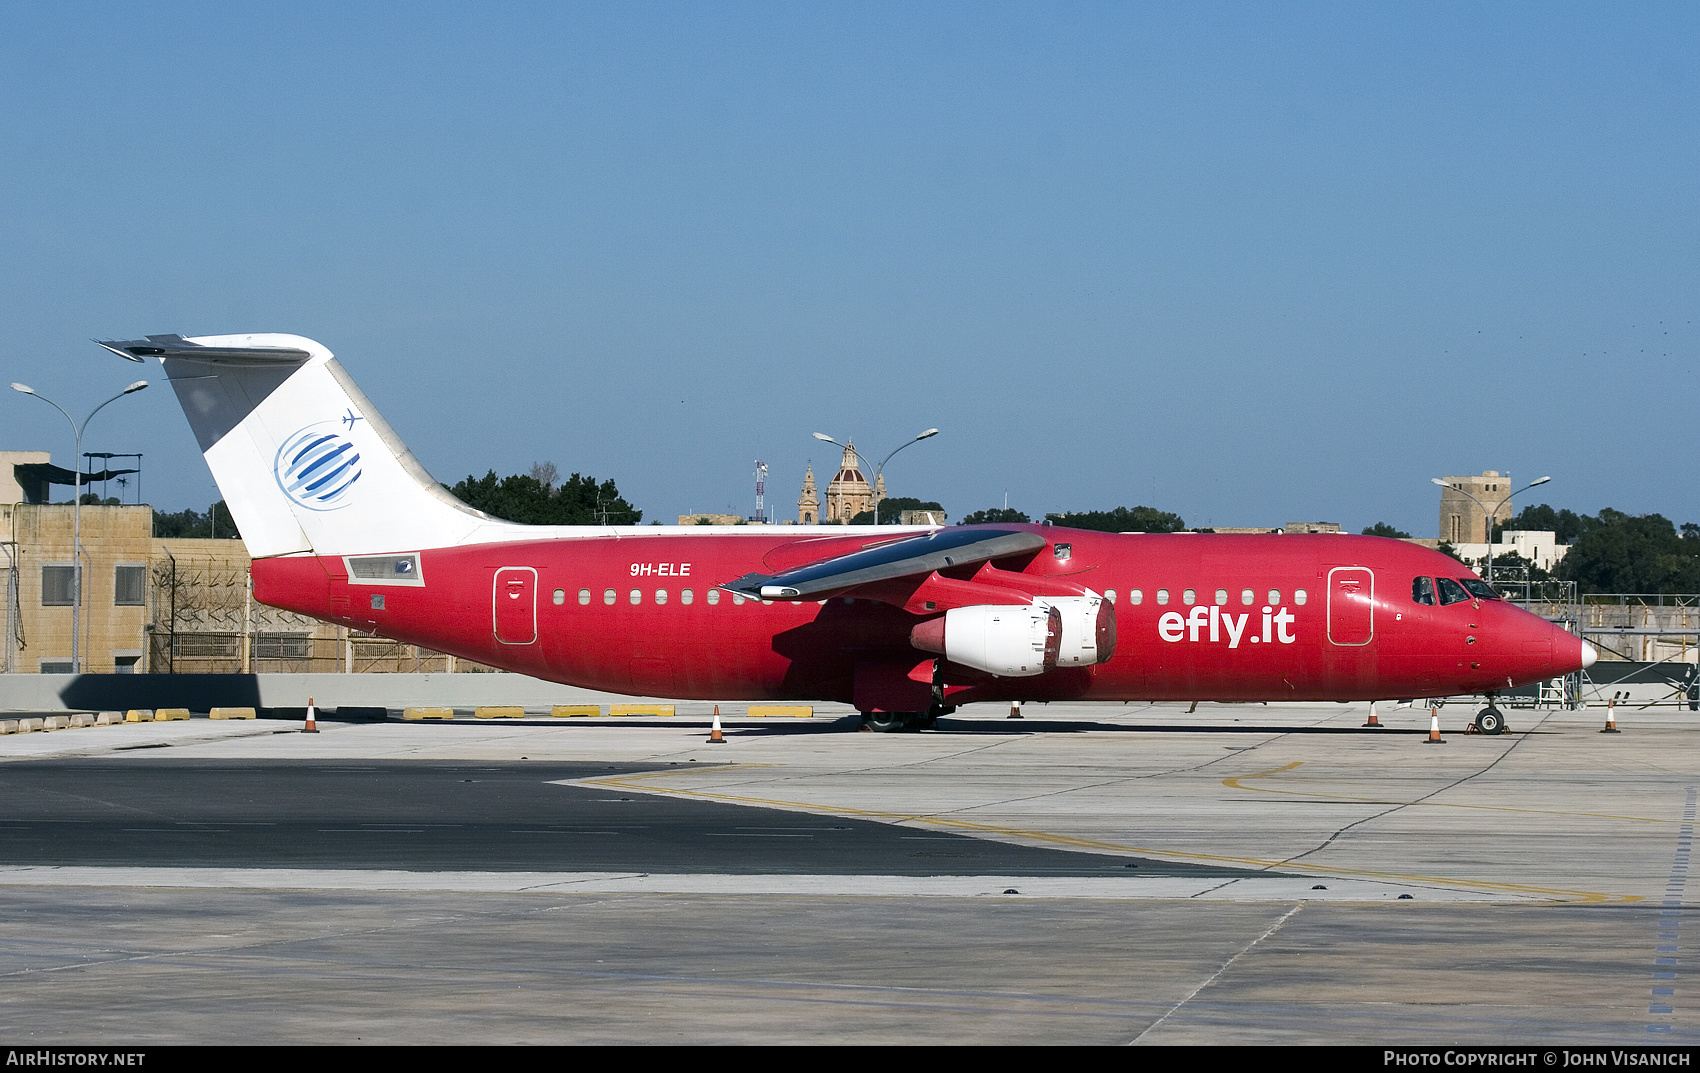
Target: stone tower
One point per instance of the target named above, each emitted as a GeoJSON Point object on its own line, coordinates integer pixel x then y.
{"type": "Point", "coordinates": [1462, 520]}
{"type": "Point", "coordinates": [808, 506]}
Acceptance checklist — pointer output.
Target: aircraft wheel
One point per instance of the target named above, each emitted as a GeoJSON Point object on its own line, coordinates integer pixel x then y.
{"type": "Point", "coordinates": [1490, 721]}
{"type": "Point", "coordinates": [887, 722]}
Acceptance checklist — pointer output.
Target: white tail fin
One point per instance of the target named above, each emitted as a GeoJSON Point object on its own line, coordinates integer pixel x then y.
{"type": "Point", "coordinates": [303, 460]}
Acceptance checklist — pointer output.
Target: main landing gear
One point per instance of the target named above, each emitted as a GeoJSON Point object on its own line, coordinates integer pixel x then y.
{"type": "Point", "coordinates": [891, 722]}
{"type": "Point", "coordinates": [894, 722]}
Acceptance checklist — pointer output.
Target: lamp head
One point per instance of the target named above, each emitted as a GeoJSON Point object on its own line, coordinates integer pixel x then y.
{"type": "Point", "coordinates": [1437, 480]}
{"type": "Point", "coordinates": [1543, 480]}
{"type": "Point", "coordinates": [824, 436]}
{"type": "Point", "coordinates": [26, 389]}
{"type": "Point", "coordinates": [137, 386]}
{"type": "Point", "coordinates": [929, 432]}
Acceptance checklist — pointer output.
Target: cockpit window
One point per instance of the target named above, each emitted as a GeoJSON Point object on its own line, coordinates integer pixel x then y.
{"type": "Point", "coordinates": [1480, 588]}
{"type": "Point", "coordinates": [1451, 592]}
{"type": "Point", "coordinates": [1422, 591]}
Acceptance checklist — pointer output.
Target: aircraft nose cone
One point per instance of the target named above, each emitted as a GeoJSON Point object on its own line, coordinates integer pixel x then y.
{"type": "Point", "coordinates": [1589, 655]}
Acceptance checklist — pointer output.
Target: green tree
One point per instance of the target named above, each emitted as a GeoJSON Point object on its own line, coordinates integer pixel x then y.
{"type": "Point", "coordinates": [1511, 566]}
{"type": "Point", "coordinates": [522, 498]}
{"type": "Point", "coordinates": [192, 524]}
{"type": "Point", "coordinates": [993, 515]}
{"type": "Point", "coordinates": [1621, 552]}
{"type": "Point", "coordinates": [1122, 520]}
{"type": "Point", "coordinates": [891, 510]}
{"type": "Point", "coordinates": [1565, 524]}
{"type": "Point", "coordinates": [1382, 529]}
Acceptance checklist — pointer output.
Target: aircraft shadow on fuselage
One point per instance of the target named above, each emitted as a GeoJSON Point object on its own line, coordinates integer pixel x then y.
{"type": "Point", "coordinates": [824, 652]}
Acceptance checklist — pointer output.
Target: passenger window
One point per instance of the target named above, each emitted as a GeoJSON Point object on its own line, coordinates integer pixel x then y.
{"type": "Point", "coordinates": [1274, 597]}
{"type": "Point", "coordinates": [608, 597]}
{"type": "Point", "coordinates": [637, 597]}
{"type": "Point", "coordinates": [713, 596]}
{"type": "Point", "coordinates": [1136, 596]}
{"type": "Point", "coordinates": [1299, 597]}
{"type": "Point", "coordinates": [1451, 592]}
{"type": "Point", "coordinates": [1189, 596]}
{"type": "Point", "coordinates": [583, 597]}
{"type": "Point", "coordinates": [1110, 595]}
{"type": "Point", "coordinates": [1162, 596]}
{"type": "Point", "coordinates": [737, 600]}
{"type": "Point", "coordinates": [686, 596]}
{"type": "Point", "coordinates": [1422, 591]}
{"type": "Point", "coordinates": [1221, 597]}
{"type": "Point", "coordinates": [660, 596]}
{"type": "Point", "coordinates": [1479, 588]}
{"type": "Point", "coordinates": [1247, 597]}
{"type": "Point", "coordinates": [560, 597]}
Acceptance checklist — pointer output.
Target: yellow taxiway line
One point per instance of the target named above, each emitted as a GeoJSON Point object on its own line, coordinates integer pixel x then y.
{"type": "Point", "coordinates": [1237, 784]}
{"type": "Point", "coordinates": [646, 783]}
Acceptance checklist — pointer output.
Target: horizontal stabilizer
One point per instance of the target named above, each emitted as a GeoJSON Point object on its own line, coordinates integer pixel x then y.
{"type": "Point", "coordinates": [302, 458]}
{"type": "Point", "coordinates": [176, 346]}
{"type": "Point", "coordinates": [941, 549]}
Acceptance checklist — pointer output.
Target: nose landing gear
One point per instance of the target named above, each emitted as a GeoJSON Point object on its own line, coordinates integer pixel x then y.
{"type": "Point", "coordinates": [1490, 720]}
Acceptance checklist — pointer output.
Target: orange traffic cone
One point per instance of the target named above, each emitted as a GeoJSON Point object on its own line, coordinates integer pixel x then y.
{"type": "Point", "coordinates": [1434, 737]}
{"type": "Point", "coordinates": [714, 736]}
{"type": "Point", "coordinates": [311, 727]}
{"type": "Point", "coordinates": [1611, 720]}
{"type": "Point", "coordinates": [1373, 721]}
{"type": "Point", "coordinates": [1015, 709]}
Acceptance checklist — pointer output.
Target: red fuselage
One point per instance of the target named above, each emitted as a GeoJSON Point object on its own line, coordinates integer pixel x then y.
{"type": "Point", "coordinates": [1197, 617]}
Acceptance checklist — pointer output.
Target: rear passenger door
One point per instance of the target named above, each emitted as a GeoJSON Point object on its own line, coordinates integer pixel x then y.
{"type": "Point", "coordinates": [514, 600]}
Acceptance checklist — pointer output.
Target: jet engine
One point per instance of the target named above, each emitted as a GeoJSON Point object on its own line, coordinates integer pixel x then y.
{"type": "Point", "coordinates": [1022, 640]}
{"type": "Point", "coordinates": [1089, 629]}
{"type": "Point", "coordinates": [1010, 641]}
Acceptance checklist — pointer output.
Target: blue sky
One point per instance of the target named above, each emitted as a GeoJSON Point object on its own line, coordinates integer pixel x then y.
{"type": "Point", "coordinates": [1250, 263]}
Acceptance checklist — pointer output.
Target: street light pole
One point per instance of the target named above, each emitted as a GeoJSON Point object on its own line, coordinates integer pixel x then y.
{"type": "Point", "coordinates": [880, 471]}
{"type": "Point", "coordinates": [1490, 513]}
{"type": "Point", "coordinates": [11, 547]}
{"type": "Point", "coordinates": [77, 509]}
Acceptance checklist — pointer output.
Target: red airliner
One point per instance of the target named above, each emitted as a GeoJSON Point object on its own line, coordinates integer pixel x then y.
{"type": "Point", "coordinates": [905, 623]}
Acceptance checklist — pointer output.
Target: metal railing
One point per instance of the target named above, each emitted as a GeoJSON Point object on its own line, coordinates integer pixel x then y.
{"type": "Point", "coordinates": [270, 652]}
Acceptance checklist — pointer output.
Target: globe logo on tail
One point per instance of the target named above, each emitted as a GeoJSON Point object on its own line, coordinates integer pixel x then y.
{"type": "Point", "coordinates": [317, 466]}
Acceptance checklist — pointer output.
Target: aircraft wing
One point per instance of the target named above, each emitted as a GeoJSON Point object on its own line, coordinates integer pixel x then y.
{"type": "Point", "coordinates": [920, 555]}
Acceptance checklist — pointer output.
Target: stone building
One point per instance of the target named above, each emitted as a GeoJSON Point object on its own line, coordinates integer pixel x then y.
{"type": "Point", "coordinates": [847, 494]}
{"type": "Point", "coordinates": [714, 519]}
{"type": "Point", "coordinates": [11, 489]}
{"type": "Point", "coordinates": [159, 605]}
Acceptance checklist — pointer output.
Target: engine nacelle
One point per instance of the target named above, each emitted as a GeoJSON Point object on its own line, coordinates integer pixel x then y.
{"type": "Point", "coordinates": [1089, 629]}
{"type": "Point", "coordinates": [1010, 641]}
